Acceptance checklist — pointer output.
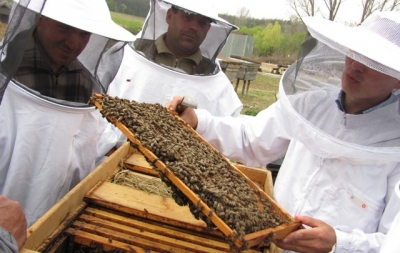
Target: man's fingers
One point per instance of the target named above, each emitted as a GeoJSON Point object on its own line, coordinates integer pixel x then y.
{"type": "Point", "coordinates": [308, 221]}
{"type": "Point", "coordinates": [173, 104]}
{"type": "Point", "coordinates": [301, 234]}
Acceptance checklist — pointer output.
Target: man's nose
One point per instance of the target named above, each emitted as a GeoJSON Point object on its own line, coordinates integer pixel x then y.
{"type": "Point", "coordinates": [195, 25]}
{"type": "Point", "coordinates": [358, 66]}
{"type": "Point", "coordinates": [73, 41]}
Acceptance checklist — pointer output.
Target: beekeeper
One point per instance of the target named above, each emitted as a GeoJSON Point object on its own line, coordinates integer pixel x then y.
{"type": "Point", "coordinates": [174, 54]}
{"type": "Point", "coordinates": [337, 121]}
{"type": "Point", "coordinates": [49, 142]}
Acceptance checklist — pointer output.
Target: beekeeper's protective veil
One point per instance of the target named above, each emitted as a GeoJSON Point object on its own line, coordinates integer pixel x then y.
{"type": "Point", "coordinates": [48, 145]}
{"type": "Point", "coordinates": [133, 73]}
{"type": "Point", "coordinates": [156, 25]}
{"type": "Point", "coordinates": [376, 44]}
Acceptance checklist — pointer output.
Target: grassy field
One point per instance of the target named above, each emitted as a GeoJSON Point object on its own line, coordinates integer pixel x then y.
{"type": "Point", "coordinates": [129, 22]}
{"type": "Point", "coordinates": [262, 93]}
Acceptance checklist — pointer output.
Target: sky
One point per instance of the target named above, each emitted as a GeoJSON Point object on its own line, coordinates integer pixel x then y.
{"type": "Point", "coordinates": [349, 12]}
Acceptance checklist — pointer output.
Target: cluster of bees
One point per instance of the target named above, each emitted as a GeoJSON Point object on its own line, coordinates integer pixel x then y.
{"type": "Point", "coordinates": [203, 169]}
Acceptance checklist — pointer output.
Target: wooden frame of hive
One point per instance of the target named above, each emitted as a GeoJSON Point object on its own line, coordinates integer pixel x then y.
{"type": "Point", "coordinates": [249, 240]}
{"type": "Point", "coordinates": [48, 233]}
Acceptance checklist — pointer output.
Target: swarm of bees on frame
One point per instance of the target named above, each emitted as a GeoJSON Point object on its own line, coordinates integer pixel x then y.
{"type": "Point", "coordinates": [195, 163]}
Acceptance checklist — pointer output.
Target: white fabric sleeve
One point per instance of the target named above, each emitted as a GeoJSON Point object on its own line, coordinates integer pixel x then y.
{"type": "Point", "coordinates": [253, 141]}
{"type": "Point", "coordinates": [7, 242]}
{"type": "Point", "coordinates": [355, 240]}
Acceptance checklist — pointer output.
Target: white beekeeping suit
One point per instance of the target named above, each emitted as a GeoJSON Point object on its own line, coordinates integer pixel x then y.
{"type": "Point", "coordinates": [135, 77]}
{"type": "Point", "coordinates": [340, 167]}
{"type": "Point", "coordinates": [48, 145]}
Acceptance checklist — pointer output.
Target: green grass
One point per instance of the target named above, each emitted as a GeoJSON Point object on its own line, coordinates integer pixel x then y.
{"type": "Point", "coordinates": [262, 93]}
{"type": "Point", "coordinates": [131, 23]}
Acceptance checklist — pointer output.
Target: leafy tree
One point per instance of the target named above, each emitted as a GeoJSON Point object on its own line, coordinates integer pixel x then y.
{"type": "Point", "coordinates": [277, 42]}
{"type": "Point", "coordinates": [267, 39]}
{"type": "Point", "coordinates": [113, 6]}
{"type": "Point", "coordinates": [122, 8]}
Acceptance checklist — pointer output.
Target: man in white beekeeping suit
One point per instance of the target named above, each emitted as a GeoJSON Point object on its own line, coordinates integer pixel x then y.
{"type": "Point", "coordinates": [174, 54]}
{"type": "Point", "coordinates": [338, 122]}
{"type": "Point", "coordinates": [50, 137]}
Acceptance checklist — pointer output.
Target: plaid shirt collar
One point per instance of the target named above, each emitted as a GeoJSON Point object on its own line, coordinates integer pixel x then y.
{"type": "Point", "coordinates": [34, 58]}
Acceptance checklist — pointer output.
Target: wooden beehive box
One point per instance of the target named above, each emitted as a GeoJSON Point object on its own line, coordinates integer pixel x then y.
{"type": "Point", "coordinates": [247, 218]}
{"type": "Point", "coordinates": [98, 215]}
{"type": "Point", "coordinates": [230, 67]}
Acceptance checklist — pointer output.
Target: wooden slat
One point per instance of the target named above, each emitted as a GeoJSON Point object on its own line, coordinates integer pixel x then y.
{"type": "Point", "coordinates": [54, 237]}
{"type": "Point", "coordinates": [137, 162]}
{"type": "Point", "coordinates": [88, 239]}
{"type": "Point", "coordinates": [49, 222]}
{"type": "Point", "coordinates": [142, 204]}
{"type": "Point", "coordinates": [279, 233]}
{"type": "Point", "coordinates": [99, 217]}
{"type": "Point", "coordinates": [146, 233]}
{"type": "Point", "coordinates": [27, 251]}
{"type": "Point", "coordinates": [141, 238]}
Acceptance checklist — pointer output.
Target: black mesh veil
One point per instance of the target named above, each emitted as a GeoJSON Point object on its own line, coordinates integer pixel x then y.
{"type": "Point", "coordinates": [60, 141]}
{"type": "Point", "coordinates": [316, 77]}
{"type": "Point", "coordinates": [21, 26]}
{"type": "Point", "coordinates": [317, 66]}
{"type": "Point", "coordinates": [155, 25]}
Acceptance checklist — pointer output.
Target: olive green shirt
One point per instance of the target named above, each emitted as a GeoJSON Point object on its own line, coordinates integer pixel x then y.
{"type": "Point", "coordinates": [159, 53]}
{"type": "Point", "coordinates": [164, 56]}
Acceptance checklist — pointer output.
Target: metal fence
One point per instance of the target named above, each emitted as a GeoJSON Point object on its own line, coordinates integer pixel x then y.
{"type": "Point", "coordinates": [238, 44]}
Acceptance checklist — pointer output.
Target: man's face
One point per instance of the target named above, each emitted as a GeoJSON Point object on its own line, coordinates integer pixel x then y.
{"type": "Point", "coordinates": [59, 43]}
{"type": "Point", "coordinates": [366, 85]}
{"type": "Point", "coordinates": [186, 32]}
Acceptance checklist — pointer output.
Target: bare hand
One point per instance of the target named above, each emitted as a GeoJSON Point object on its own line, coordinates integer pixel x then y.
{"type": "Point", "coordinates": [188, 115]}
{"type": "Point", "coordinates": [319, 238]}
{"type": "Point", "coordinates": [13, 219]}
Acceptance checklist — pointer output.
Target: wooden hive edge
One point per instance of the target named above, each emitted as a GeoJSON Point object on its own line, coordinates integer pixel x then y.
{"type": "Point", "coordinates": [49, 222]}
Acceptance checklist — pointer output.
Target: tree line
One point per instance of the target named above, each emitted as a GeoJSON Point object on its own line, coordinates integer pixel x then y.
{"type": "Point", "coordinates": [275, 40]}
{"type": "Point", "coordinates": [330, 8]}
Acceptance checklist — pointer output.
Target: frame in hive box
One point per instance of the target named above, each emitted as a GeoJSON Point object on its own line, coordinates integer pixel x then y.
{"type": "Point", "coordinates": [200, 176]}
{"type": "Point", "coordinates": [97, 214]}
